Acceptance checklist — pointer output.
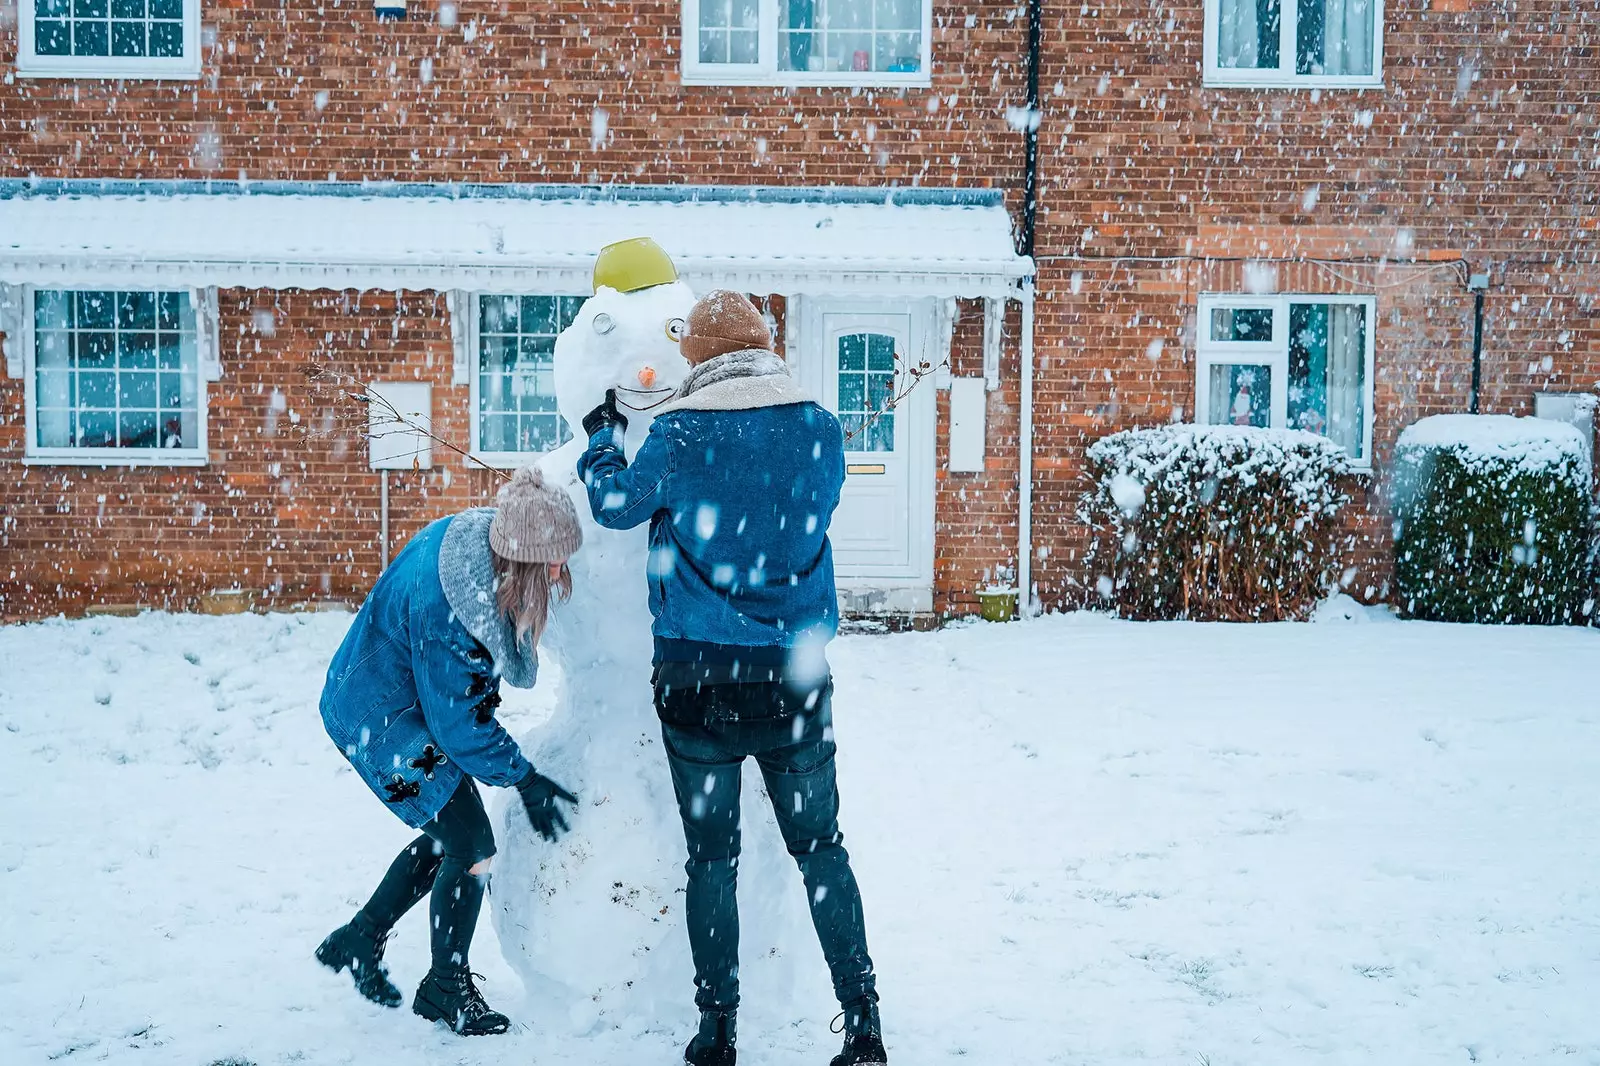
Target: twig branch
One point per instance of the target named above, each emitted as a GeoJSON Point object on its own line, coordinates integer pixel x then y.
{"type": "Point", "coordinates": [366, 400]}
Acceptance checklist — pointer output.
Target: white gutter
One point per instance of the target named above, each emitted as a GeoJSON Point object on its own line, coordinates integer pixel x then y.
{"type": "Point", "coordinates": [1025, 460]}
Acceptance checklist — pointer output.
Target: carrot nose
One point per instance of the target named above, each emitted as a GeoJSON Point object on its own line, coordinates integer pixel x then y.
{"type": "Point", "coordinates": [647, 376]}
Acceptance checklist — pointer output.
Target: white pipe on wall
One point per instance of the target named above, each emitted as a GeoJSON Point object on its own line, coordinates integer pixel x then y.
{"type": "Point", "coordinates": [1025, 459]}
{"type": "Point", "coordinates": [383, 518]}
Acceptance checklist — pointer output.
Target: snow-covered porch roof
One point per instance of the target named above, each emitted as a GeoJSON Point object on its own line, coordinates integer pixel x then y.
{"type": "Point", "coordinates": [925, 242]}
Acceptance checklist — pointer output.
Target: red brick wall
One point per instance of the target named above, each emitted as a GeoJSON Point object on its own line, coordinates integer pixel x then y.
{"type": "Point", "coordinates": [1483, 147]}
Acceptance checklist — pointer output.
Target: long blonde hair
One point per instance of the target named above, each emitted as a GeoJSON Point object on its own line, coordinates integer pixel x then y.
{"type": "Point", "coordinates": [523, 594]}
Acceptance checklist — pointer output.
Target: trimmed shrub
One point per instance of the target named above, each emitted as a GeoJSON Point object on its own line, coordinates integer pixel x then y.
{"type": "Point", "coordinates": [1214, 522]}
{"type": "Point", "coordinates": [1493, 521]}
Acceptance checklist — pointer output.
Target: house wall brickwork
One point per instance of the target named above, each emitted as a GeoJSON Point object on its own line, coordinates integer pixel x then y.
{"type": "Point", "coordinates": [1480, 154]}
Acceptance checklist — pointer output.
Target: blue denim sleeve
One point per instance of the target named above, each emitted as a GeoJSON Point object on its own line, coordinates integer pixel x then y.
{"type": "Point", "coordinates": [624, 495]}
{"type": "Point", "coordinates": [458, 688]}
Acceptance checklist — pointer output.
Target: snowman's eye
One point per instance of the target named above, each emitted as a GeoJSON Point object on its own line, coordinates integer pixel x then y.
{"type": "Point", "coordinates": [604, 323]}
{"type": "Point", "coordinates": [675, 328]}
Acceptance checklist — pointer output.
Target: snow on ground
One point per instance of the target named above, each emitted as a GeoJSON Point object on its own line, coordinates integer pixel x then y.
{"type": "Point", "coordinates": [1080, 841]}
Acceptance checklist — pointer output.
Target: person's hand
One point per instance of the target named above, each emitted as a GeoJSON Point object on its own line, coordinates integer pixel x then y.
{"type": "Point", "coordinates": [605, 415]}
{"type": "Point", "coordinates": [539, 795]}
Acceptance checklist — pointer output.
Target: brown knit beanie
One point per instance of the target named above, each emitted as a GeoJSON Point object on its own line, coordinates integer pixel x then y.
{"type": "Point", "coordinates": [534, 523]}
{"type": "Point", "coordinates": [722, 322]}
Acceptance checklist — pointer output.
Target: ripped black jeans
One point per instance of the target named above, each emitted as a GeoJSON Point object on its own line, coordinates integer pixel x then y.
{"type": "Point", "coordinates": [438, 864]}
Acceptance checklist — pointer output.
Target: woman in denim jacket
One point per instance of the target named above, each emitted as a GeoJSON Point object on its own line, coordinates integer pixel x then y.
{"type": "Point", "coordinates": [410, 701]}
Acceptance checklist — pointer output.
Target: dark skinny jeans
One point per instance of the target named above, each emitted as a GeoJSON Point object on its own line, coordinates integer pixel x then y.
{"type": "Point", "coordinates": [796, 756]}
{"type": "Point", "coordinates": [437, 864]}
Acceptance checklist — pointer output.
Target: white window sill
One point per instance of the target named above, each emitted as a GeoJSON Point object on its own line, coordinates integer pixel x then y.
{"type": "Point", "coordinates": [1302, 82]}
{"type": "Point", "coordinates": [504, 460]}
{"type": "Point", "coordinates": [121, 460]}
{"type": "Point", "coordinates": [796, 79]}
{"type": "Point", "coordinates": [102, 69]}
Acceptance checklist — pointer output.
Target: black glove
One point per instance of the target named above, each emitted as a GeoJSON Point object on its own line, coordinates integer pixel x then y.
{"type": "Point", "coordinates": [605, 415]}
{"type": "Point", "coordinates": [539, 795]}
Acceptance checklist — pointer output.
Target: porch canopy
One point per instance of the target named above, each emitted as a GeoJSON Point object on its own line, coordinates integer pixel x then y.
{"type": "Point", "coordinates": [503, 238]}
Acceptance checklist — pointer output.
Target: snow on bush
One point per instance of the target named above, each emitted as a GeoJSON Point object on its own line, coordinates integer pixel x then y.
{"type": "Point", "coordinates": [1493, 521]}
{"type": "Point", "coordinates": [1214, 522]}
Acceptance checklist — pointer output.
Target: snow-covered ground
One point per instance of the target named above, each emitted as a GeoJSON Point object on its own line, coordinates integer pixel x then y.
{"type": "Point", "coordinates": [1080, 841]}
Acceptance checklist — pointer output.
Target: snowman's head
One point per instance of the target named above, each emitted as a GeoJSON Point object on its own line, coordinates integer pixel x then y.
{"type": "Point", "coordinates": [627, 341]}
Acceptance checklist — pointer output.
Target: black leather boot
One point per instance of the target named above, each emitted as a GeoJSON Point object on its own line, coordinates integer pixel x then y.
{"type": "Point", "coordinates": [451, 997]}
{"type": "Point", "coordinates": [713, 1044]}
{"type": "Point", "coordinates": [863, 1034]}
{"type": "Point", "coordinates": [350, 947]}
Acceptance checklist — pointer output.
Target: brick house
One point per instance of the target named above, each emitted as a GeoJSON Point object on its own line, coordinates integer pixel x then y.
{"type": "Point", "coordinates": [1246, 210]}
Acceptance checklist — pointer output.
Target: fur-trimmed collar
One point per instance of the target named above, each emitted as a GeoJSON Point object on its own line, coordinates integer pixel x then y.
{"type": "Point", "coordinates": [466, 572]}
{"type": "Point", "coordinates": [738, 381]}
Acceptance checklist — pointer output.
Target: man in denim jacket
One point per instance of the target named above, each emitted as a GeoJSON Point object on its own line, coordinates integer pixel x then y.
{"type": "Point", "coordinates": [739, 479]}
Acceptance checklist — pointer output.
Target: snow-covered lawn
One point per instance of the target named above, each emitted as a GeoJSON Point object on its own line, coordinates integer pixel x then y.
{"type": "Point", "coordinates": [1080, 841]}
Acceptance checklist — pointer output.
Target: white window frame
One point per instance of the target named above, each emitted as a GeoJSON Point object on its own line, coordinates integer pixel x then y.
{"type": "Point", "coordinates": [205, 370]}
{"type": "Point", "coordinates": [184, 67]}
{"type": "Point", "coordinates": [766, 72]}
{"type": "Point", "coordinates": [1275, 354]}
{"type": "Point", "coordinates": [474, 363]}
{"type": "Point", "coordinates": [1284, 76]}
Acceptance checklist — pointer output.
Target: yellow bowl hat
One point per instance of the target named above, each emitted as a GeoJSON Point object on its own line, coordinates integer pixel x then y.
{"type": "Point", "coordinates": [633, 264]}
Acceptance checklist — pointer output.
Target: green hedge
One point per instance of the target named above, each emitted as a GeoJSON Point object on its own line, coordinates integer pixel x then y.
{"type": "Point", "coordinates": [1493, 521]}
{"type": "Point", "coordinates": [1214, 522]}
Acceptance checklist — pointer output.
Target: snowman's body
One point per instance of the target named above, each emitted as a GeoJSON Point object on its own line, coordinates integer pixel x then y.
{"type": "Point", "coordinates": [595, 923]}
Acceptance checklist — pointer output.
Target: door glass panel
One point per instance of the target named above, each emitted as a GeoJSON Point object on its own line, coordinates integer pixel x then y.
{"type": "Point", "coordinates": [866, 391]}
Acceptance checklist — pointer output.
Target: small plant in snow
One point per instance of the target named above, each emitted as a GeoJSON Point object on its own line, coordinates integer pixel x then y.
{"type": "Point", "coordinates": [1493, 521]}
{"type": "Point", "coordinates": [1214, 522]}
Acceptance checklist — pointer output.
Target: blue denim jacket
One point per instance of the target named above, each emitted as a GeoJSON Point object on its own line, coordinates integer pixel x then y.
{"type": "Point", "coordinates": [411, 693]}
{"type": "Point", "coordinates": [739, 502]}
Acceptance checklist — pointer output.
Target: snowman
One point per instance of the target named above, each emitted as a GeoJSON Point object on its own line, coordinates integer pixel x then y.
{"type": "Point", "coordinates": [594, 923]}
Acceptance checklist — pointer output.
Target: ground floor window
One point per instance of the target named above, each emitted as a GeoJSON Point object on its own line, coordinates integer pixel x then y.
{"type": "Point", "coordinates": [513, 376]}
{"type": "Point", "coordinates": [114, 377]}
{"type": "Point", "coordinates": [1300, 362]}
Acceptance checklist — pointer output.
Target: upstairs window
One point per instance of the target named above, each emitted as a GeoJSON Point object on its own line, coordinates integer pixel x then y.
{"type": "Point", "coordinates": [1295, 362]}
{"type": "Point", "coordinates": [513, 379]}
{"type": "Point", "coordinates": [1288, 43]}
{"type": "Point", "coordinates": [109, 38]}
{"type": "Point", "coordinates": [807, 42]}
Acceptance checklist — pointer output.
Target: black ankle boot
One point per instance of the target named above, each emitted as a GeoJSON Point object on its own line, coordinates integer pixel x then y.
{"type": "Point", "coordinates": [863, 1034]}
{"type": "Point", "coordinates": [713, 1044]}
{"type": "Point", "coordinates": [350, 947]}
{"type": "Point", "coordinates": [451, 997]}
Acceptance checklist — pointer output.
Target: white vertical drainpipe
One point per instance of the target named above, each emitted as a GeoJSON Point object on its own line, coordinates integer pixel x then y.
{"type": "Point", "coordinates": [1025, 460]}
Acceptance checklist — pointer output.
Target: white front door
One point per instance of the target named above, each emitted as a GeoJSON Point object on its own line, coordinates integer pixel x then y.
{"type": "Point", "coordinates": [854, 356]}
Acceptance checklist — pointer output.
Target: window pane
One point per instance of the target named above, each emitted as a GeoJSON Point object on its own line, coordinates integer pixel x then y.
{"type": "Point", "coordinates": [880, 352]}
{"type": "Point", "coordinates": [136, 390]}
{"type": "Point", "coordinates": [1247, 34]}
{"type": "Point", "coordinates": [1241, 395]}
{"type": "Point", "coordinates": [744, 46]}
{"type": "Point", "coordinates": [853, 352]}
{"type": "Point", "coordinates": [1327, 372]}
{"type": "Point", "coordinates": [52, 38]}
{"type": "Point", "coordinates": [1335, 37]}
{"type": "Point", "coordinates": [54, 427]}
{"type": "Point", "coordinates": [516, 379]}
{"type": "Point", "coordinates": [1236, 324]}
{"type": "Point", "coordinates": [166, 9]}
{"type": "Point", "coordinates": [91, 39]}
{"type": "Point", "coordinates": [95, 310]}
{"type": "Point", "coordinates": [100, 387]}
{"type": "Point", "coordinates": [137, 429]}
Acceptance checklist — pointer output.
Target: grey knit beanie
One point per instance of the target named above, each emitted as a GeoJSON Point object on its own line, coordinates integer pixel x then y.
{"type": "Point", "coordinates": [534, 523]}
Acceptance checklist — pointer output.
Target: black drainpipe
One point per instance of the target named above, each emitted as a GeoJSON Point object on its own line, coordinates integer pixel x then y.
{"type": "Point", "coordinates": [1030, 174]}
{"type": "Point", "coordinates": [1478, 283]}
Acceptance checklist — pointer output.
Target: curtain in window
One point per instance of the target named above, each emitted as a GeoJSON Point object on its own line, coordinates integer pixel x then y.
{"type": "Point", "coordinates": [1347, 358]}
{"type": "Point", "coordinates": [1336, 37]}
{"type": "Point", "coordinates": [1247, 34]}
